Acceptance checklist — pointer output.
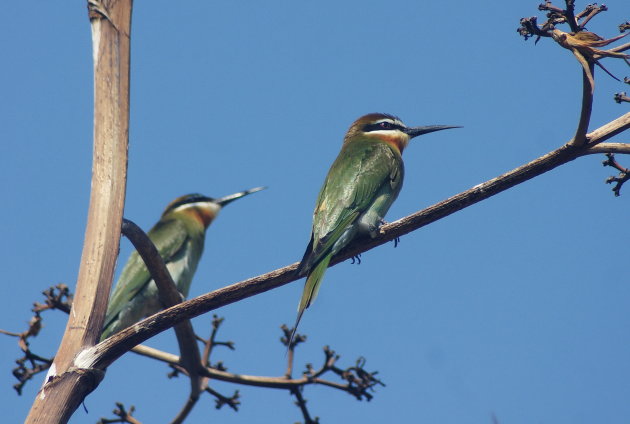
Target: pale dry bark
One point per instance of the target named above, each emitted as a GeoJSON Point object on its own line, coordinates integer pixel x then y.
{"type": "Point", "coordinates": [67, 383]}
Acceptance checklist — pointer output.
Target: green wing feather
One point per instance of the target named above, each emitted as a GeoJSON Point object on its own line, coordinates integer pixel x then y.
{"type": "Point", "coordinates": [363, 171]}
{"type": "Point", "coordinates": [169, 237]}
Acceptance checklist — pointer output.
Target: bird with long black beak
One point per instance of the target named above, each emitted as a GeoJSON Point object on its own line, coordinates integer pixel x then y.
{"type": "Point", "coordinates": [179, 237]}
{"type": "Point", "coordinates": [361, 185]}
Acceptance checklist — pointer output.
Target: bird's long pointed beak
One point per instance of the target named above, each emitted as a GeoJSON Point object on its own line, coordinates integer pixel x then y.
{"type": "Point", "coordinates": [231, 197]}
{"type": "Point", "coordinates": [416, 131]}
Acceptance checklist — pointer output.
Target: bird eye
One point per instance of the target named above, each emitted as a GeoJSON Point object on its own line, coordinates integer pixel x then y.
{"type": "Point", "coordinates": [386, 125]}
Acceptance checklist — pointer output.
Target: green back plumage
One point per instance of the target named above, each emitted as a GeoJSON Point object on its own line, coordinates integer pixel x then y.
{"type": "Point", "coordinates": [367, 174]}
{"type": "Point", "coordinates": [361, 185]}
{"type": "Point", "coordinates": [173, 238]}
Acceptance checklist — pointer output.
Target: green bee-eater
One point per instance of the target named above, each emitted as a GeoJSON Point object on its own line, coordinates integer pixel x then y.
{"type": "Point", "coordinates": [179, 237]}
{"type": "Point", "coordinates": [361, 185]}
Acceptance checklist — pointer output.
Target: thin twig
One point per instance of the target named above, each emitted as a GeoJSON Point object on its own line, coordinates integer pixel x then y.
{"type": "Point", "coordinates": [212, 342]}
{"type": "Point", "coordinates": [221, 400]}
{"type": "Point", "coordinates": [311, 377]}
{"type": "Point", "coordinates": [621, 97]}
{"type": "Point", "coordinates": [56, 297]}
{"type": "Point", "coordinates": [209, 346]}
{"type": "Point", "coordinates": [123, 415]}
{"type": "Point", "coordinates": [31, 364]}
{"type": "Point", "coordinates": [590, 12]}
{"type": "Point", "coordinates": [301, 403]}
{"type": "Point", "coordinates": [297, 339]}
{"type": "Point", "coordinates": [620, 48]}
{"type": "Point", "coordinates": [621, 178]}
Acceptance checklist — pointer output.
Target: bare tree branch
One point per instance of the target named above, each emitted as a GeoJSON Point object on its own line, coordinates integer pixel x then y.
{"type": "Point", "coordinates": [297, 339]}
{"type": "Point", "coordinates": [56, 297]}
{"type": "Point", "coordinates": [357, 381]}
{"type": "Point", "coordinates": [310, 377]}
{"type": "Point", "coordinates": [301, 403]}
{"type": "Point", "coordinates": [588, 89]}
{"type": "Point", "coordinates": [623, 148]}
{"type": "Point", "coordinates": [621, 178]}
{"type": "Point", "coordinates": [589, 13]}
{"type": "Point", "coordinates": [31, 364]}
{"type": "Point", "coordinates": [124, 415]}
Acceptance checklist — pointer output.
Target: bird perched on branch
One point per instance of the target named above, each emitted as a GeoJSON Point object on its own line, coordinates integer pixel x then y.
{"type": "Point", "coordinates": [361, 185]}
{"type": "Point", "coordinates": [179, 237]}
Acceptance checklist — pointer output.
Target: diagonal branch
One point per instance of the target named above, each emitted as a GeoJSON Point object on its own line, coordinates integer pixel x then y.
{"type": "Point", "coordinates": [109, 350]}
{"type": "Point", "coordinates": [623, 148]}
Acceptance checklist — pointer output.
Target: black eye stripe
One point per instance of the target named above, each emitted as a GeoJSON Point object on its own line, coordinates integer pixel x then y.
{"type": "Point", "coordinates": [383, 125]}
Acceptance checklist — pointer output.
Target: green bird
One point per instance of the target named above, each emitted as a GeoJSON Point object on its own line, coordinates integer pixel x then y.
{"type": "Point", "coordinates": [361, 185]}
{"type": "Point", "coordinates": [179, 237]}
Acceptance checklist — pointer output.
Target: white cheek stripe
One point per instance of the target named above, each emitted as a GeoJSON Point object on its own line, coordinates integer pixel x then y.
{"type": "Point", "coordinates": [389, 133]}
{"type": "Point", "coordinates": [206, 205]}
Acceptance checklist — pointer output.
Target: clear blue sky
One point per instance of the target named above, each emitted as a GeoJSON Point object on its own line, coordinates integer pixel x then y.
{"type": "Point", "coordinates": [516, 307]}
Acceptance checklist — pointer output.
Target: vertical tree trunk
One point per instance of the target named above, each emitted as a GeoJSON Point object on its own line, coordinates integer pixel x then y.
{"type": "Point", "coordinates": [68, 382]}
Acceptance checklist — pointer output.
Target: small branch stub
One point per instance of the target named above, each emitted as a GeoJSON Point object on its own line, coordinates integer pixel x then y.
{"type": "Point", "coordinates": [124, 415]}
{"type": "Point", "coordinates": [621, 97]}
{"type": "Point", "coordinates": [621, 178]}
